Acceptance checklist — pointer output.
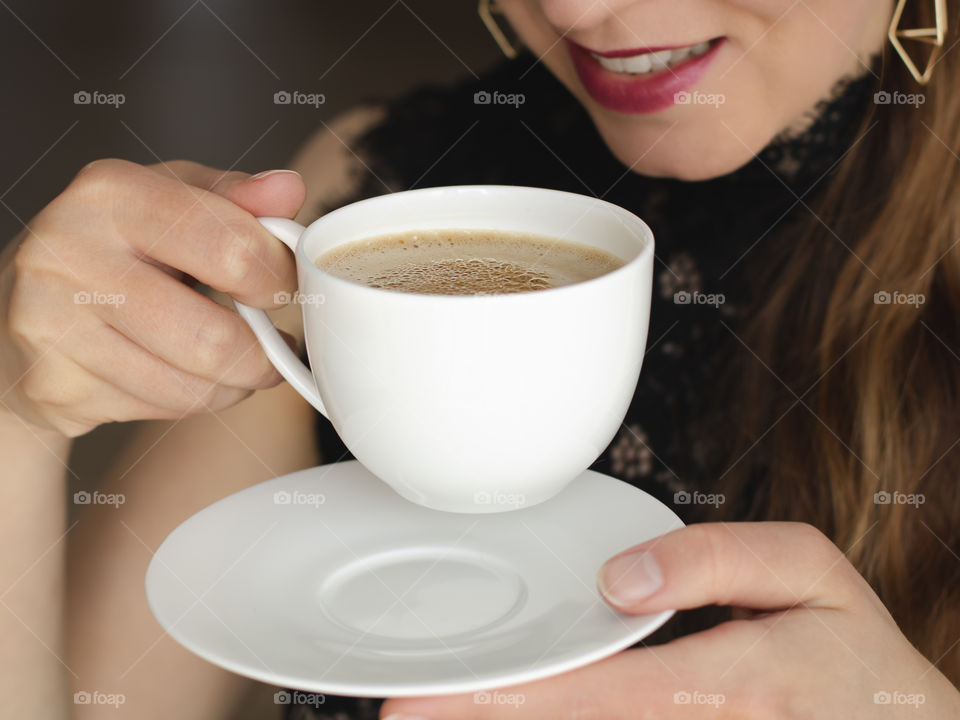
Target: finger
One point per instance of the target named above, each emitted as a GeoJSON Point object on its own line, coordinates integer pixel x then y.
{"type": "Point", "coordinates": [628, 685]}
{"type": "Point", "coordinates": [147, 378]}
{"type": "Point", "coordinates": [87, 401]}
{"type": "Point", "coordinates": [188, 330]}
{"type": "Point", "coordinates": [198, 232]}
{"type": "Point", "coordinates": [112, 404]}
{"type": "Point", "coordinates": [277, 193]}
{"type": "Point", "coordinates": [765, 566]}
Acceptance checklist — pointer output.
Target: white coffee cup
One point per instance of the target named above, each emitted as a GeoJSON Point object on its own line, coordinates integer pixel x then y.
{"type": "Point", "coordinates": [470, 403]}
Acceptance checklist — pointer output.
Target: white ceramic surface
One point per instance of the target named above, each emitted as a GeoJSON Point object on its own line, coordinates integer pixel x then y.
{"type": "Point", "coordinates": [472, 404]}
{"type": "Point", "coordinates": [327, 581]}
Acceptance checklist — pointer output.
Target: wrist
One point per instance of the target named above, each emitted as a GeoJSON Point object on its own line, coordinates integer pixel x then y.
{"type": "Point", "coordinates": [19, 437]}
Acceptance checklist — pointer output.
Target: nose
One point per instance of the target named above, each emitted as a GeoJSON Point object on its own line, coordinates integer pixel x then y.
{"type": "Point", "coordinates": [581, 15]}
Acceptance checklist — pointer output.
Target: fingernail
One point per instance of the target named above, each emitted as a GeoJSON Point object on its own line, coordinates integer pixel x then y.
{"type": "Point", "coordinates": [631, 577]}
{"type": "Point", "coordinates": [268, 173]}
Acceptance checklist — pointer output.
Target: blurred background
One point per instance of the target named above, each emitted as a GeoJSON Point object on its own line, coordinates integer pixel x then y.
{"type": "Point", "coordinates": [198, 79]}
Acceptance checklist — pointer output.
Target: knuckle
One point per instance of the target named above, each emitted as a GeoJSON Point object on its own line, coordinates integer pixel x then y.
{"type": "Point", "coordinates": [238, 260]}
{"type": "Point", "coordinates": [22, 332]}
{"type": "Point", "coordinates": [100, 178]}
{"type": "Point", "coordinates": [816, 543]}
{"type": "Point", "coordinates": [214, 343]}
{"type": "Point", "coordinates": [225, 179]}
{"type": "Point", "coordinates": [44, 387]}
{"type": "Point", "coordinates": [713, 541]}
{"type": "Point", "coordinates": [25, 259]}
{"type": "Point", "coordinates": [20, 326]}
{"type": "Point", "coordinates": [35, 261]}
{"type": "Point", "coordinates": [180, 168]}
{"type": "Point", "coordinates": [26, 328]}
{"type": "Point", "coordinates": [834, 572]}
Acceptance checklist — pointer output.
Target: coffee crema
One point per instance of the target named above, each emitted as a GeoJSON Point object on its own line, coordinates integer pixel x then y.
{"type": "Point", "coordinates": [466, 262]}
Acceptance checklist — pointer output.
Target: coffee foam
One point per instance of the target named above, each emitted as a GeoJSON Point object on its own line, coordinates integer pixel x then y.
{"type": "Point", "coordinates": [466, 262]}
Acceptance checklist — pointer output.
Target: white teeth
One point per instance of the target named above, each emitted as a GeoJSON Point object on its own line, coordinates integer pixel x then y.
{"type": "Point", "coordinates": [652, 62]}
{"type": "Point", "coordinates": [660, 60]}
{"type": "Point", "coordinates": [699, 49]}
{"type": "Point", "coordinates": [615, 64]}
{"type": "Point", "coordinates": [635, 64]}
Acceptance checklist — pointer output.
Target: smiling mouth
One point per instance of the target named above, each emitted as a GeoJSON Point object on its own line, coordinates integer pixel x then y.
{"type": "Point", "coordinates": [642, 80]}
{"type": "Point", "coordinates": [650, 61]}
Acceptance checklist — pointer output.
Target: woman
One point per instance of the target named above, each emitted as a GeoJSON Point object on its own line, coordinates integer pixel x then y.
{"type": "Point", "coordinates": [803, 362]}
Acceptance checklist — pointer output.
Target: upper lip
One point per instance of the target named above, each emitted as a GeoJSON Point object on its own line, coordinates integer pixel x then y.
{"type": "Point", "coordinates": [630, 52]}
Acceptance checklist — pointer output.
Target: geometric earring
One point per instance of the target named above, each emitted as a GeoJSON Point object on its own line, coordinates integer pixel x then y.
{"type": "Point", "coordinates": [486, 9]}
{"type": "Point", "coordinates": [931, 36]}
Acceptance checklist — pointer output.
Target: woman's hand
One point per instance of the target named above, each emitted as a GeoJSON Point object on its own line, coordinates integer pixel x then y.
{"type": "Point", "coordinates": [98, 321]}
{"type": "Point", "coordinates": [812, 641]}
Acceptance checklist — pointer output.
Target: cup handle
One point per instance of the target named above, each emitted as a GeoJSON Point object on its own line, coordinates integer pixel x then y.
{"type": "Point", "coordinates": [278, 352]}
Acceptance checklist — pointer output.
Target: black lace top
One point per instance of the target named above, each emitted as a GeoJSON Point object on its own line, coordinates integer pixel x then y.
{"type": "Point", "coordinates": [710, 238]}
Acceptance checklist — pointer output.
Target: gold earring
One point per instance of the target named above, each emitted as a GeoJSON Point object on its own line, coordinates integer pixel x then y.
{"type": "Point", "coordinates": [930, 35]}
{"type": "Point", "coordinates": [486, 9]}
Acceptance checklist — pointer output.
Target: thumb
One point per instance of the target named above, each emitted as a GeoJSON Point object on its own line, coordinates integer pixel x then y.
{"type": "Point", "coordinates": [762, 566]}
{"type": "Point", "coordinates": [275, 193]}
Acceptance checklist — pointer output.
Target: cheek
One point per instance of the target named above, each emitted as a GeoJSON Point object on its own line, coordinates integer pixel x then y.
{"type": "Point", "coordinates": [800, 56]}
{"type": "Point", "coordinates": [840, 28]}
{"type": "Point", "coordinates": [527, 19]}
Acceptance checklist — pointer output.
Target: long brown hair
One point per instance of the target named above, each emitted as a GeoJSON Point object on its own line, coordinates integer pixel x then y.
{"type": "Point", "coordinates": [861, 385]}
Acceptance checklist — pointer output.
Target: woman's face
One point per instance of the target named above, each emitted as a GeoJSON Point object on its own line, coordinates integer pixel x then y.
{"type": "Point", "coordinates": [737, 72]}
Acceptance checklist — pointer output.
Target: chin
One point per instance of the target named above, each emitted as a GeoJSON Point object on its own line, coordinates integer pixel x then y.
{"type": "Point", "coordinates": [683, 153]}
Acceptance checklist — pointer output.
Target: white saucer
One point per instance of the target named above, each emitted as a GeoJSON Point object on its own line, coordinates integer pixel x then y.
{"type": "Point", "coordinates": [328, 581]}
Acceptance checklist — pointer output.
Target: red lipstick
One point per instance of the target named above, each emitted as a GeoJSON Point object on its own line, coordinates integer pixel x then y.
{"type": "Point", "coordinates": [641, 93]}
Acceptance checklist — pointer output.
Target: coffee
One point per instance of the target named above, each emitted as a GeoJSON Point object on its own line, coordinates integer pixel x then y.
{"type": "Point", "coordinates": [466, 262]}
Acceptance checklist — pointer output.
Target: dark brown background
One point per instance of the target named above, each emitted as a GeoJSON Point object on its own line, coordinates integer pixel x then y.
{"type": "Point", "coordinates": [199, 78]}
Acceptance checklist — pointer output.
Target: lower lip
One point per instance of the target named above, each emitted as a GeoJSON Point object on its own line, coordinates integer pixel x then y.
{"type": "Point", "coordinates": [639, 94]}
